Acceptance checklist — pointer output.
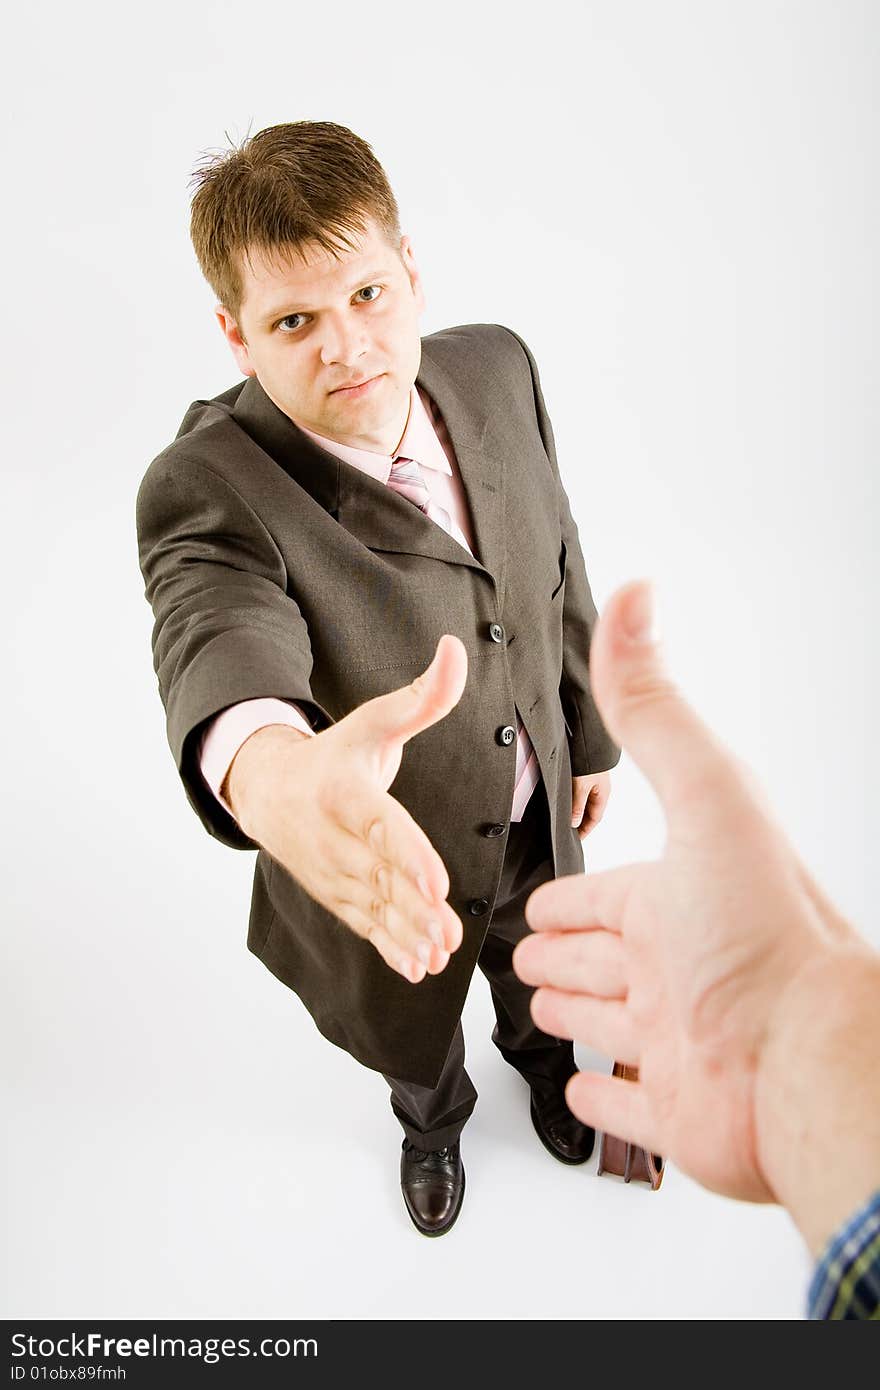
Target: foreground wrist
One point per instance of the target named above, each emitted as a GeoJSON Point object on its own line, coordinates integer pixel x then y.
{"type": "Point", "coordinates": [817, 1100]}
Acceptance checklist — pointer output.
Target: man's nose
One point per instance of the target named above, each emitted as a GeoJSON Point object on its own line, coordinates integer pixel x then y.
{"type": "Point", "coordinates": [343, 341]}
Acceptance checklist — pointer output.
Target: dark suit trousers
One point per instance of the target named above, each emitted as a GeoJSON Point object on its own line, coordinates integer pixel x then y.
{"type": "Point", "coordinates": [434, 1116]}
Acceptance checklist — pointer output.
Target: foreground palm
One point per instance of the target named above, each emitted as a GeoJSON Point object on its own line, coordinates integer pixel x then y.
{"type": "Point", "coordinates": [684, 974]}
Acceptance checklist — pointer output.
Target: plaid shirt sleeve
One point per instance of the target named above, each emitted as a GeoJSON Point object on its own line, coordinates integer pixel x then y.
{"type": "Point", "coordinates": [846, 1280]}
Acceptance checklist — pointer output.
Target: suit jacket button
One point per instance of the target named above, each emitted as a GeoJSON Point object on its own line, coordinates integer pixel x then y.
{"type": "Point", "coordinates": [477, 906]}
{"type": "Point", "coordinates": [495, 830]}
{"type": "Point", "coordinates": [496, 632]}
{"type": "Point", "coordinates": [506, 734]}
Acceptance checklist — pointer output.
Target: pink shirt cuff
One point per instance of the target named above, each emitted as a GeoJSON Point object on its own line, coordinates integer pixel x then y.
{"type": "Point", "coordinates": [228, 730]}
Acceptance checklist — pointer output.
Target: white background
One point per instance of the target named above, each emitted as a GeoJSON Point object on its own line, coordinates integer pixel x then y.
{"type": "Point", "coordinates": [676, 206]}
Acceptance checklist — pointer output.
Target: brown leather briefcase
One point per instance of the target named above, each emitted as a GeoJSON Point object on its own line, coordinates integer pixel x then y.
{"type": "Point", "coordinates": [626, 1160]}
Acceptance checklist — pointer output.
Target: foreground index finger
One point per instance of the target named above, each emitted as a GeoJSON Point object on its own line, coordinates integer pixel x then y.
{"type": "Point", "coordinates": [581, 900]}
{"type": "Point", "coordinates": [592, 961]}
{"type": "Point", "coordinates": [603, 1024]}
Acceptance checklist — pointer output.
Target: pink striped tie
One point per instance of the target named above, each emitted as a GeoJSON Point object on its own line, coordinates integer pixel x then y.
{"type": "Point", "coordinates": [406, 478]}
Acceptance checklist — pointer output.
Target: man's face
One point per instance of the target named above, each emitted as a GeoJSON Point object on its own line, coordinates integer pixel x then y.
{"type": "Point", "coordinates": [308, 329]}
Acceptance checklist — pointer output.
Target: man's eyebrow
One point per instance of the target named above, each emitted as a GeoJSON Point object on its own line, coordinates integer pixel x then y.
{"type": "Point", "coordinates": [288, 306]}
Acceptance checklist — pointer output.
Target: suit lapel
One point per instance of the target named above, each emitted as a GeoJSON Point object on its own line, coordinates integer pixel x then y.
{"type": "Point", "coordinates": [377, 515]}
{"type": "Point", "coordinates": [481, 466]}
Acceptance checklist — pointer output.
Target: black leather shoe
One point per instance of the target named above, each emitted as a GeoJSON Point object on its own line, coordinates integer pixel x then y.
{"type": "Point", "coordinates": [433, 1186]}
{"type": "Point", "coordinates": [560, 1131]}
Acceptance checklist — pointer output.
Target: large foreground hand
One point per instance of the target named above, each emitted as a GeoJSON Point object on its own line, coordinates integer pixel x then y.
{"type": "Point", "coordinates": [721, 970]}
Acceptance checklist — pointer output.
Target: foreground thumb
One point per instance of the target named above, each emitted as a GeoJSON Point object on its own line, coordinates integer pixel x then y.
{"type": "Point", "coordinates": [641, 707]}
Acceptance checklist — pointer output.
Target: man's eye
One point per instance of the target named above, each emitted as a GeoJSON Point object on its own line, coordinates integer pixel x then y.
{"type": "Point", "coordinates": [374, 291]}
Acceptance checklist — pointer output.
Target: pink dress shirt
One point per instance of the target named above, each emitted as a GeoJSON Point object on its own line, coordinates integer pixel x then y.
{"type": "Point", "coordinates": [426, 440]}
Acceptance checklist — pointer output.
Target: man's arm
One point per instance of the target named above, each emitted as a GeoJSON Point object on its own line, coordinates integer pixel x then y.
{"type": "Point", "coordinates": [592, 748]}
{"type": "Point", "coordinates": [226, 631]}
{"type": "Point", "coordinates": [225, 628]}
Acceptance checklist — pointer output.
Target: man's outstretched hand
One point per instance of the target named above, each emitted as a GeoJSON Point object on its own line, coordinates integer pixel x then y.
{"type": "Point", "coordinates": [319, 805]}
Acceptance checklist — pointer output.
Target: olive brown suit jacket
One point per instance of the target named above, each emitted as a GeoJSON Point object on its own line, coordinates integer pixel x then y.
{"type": "Point", "coordinates": [274, 568]}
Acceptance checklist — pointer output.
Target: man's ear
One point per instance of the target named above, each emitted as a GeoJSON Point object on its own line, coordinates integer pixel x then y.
{"type": "Point", "coordinates": [235, 340]}
{"type": "Point", "coordinates": [412, 270]}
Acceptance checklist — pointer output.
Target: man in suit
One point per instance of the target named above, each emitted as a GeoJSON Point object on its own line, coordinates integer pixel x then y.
{"type": "Point", "coordinates": [364, 501]}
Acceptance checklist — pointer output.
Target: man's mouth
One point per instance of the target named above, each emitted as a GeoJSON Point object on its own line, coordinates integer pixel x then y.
{"type": "Point", "coordinates": [356, 388]}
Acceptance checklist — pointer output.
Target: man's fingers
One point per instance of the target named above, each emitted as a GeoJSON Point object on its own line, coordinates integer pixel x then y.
{"type": "Point", "coordinates": [385, 864]}
{"type": "Point", "coordinates": [384, 897]}
{"type": "Point", "coordinates": [643, 710]}
{"type": "Point", "coordinates": [615, 1106]}
{"type": "Point", "coordinates": [604, 1024]}
{"type": "Point", "coordinates": [587, 962]}
{"type": "Point", "coordinates": [378, 937]}
{"type": "Point", "coordinates": [595, 811]}
{"type": "Point", "coordinates": [400, 960]}
{"type": "Point", "coordinates": [405, 712]}
{"type": "Point", "coordinates": [576, 901]}
{"type": "Point", "coordinates": [378, 820]}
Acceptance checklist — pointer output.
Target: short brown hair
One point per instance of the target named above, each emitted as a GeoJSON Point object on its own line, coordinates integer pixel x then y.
{"type": "Point", "coordinates": [305, 181]}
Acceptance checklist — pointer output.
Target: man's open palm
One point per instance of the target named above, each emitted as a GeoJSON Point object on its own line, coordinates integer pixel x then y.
{"type": "Point", "coordinates": [320, 806]}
